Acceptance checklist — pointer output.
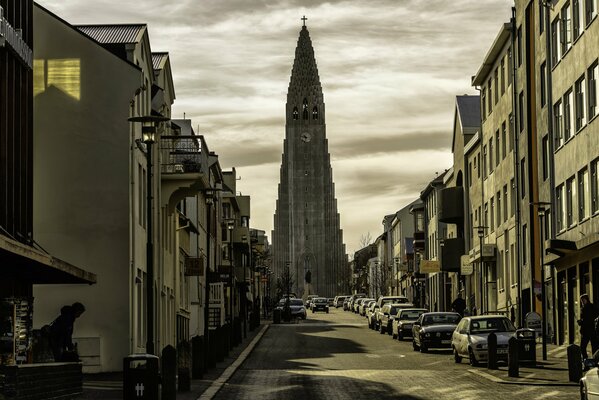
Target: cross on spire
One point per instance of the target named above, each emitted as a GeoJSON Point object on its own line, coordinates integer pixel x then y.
{"type": "Point", "coordinates": [304, 19]}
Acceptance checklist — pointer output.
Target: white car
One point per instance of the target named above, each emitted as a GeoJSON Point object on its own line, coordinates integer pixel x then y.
{"type": "Point", "coordinates": [470, 337]}
{"type": "Point", "coordinates": [589, 384]}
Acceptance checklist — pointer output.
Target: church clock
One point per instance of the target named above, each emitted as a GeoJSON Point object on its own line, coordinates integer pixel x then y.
{"type": "Point", "coordinates": [306, 137]}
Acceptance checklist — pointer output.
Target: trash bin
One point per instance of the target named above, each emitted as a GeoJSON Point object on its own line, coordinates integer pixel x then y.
{"type": "Point", "coordinates": [276, 316]}
{"type": "Point", "coordinates": [141, 377]}
{"type": "Point", "coordinates": [527, 350]}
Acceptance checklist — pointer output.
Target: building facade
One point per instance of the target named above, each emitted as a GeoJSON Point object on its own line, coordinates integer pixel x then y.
{"type": "Point", "coordinates": [307, 237]}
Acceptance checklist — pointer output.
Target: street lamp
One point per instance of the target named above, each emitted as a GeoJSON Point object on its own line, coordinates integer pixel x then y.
{"type": "Point", "coordinates": [230, 226]}
{"type": "Point", "coordinates": [148, 131]}
{"type": "Point", "coordinates": [480, 230]}
{"type": "Point", "coordinates": [541, 210]}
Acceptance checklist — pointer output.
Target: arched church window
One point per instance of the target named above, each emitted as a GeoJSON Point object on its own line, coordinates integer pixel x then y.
{"type": "Point", "coordinates": [305, 109]}
{"type": "Point", "coordinates": [315, 113]}
{"type": "Point", "coordinates": [295, 113]}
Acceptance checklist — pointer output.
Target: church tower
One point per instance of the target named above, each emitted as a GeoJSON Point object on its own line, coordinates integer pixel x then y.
{"type": "Point", "coordinates": [307, 237]}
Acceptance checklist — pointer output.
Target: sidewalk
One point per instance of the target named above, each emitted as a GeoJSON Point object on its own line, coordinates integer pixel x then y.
{"type": "Point", "coordinates": [109, 386]}
{"type": "Point", "coordinates": [552, 372]}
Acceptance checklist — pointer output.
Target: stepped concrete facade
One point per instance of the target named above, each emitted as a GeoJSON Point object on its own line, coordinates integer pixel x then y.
{"type": "Point", "coordinates": [307, 237]}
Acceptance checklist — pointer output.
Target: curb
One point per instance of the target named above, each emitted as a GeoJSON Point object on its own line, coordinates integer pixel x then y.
{"type": "Point", "coordinates": [227, 373]}
{"type": "Point", "coordinates": [496, 379]}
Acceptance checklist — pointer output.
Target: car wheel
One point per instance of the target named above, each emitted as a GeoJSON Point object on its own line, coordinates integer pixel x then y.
{"type": "Point", "coordinates": [327, 311]}
{"type": "Point", "coordinates": [381, 329]}
{"type": "Point", "coordinates": [399, 336]}
{"type": "Point", "coordinates": [472, 358]}
{"type": "Point", "coordinates": [388, 330]}
{"type": "Point", "coordinates": [414, 345]}
{"type": "Point", "coordinates": [456, 357]}
{"type": "Point", "coordinates": [583, 392]}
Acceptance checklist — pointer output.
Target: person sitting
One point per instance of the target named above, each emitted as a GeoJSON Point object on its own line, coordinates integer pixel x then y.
{"type": "Point", "coordinates": [60, 333]}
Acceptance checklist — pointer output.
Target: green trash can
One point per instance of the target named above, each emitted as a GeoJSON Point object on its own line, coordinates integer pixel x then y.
{"type": "Point", "coordinates": [141, 377]}
{"type": "Point", "coordinates": [527, 350]}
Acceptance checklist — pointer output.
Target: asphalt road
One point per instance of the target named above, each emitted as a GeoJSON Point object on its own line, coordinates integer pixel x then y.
{"type": "Point", "coordinates": [336, 356]}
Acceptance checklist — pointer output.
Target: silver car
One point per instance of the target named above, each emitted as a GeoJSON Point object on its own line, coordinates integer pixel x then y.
{"type": "Point", "coordinates": [470, 337]}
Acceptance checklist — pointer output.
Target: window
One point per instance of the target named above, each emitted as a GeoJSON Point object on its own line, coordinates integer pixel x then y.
{"type": "Point", "coordinates": [568, 125]}
{"type": "Point", "coordinates": [594, 186]}
{"type": "Point", "coordinates": [557, 124]}
{"type": "Point", "coordinates": [546, 156]}
{"type": "Point", "coordinates": [541, 19]}
{"type": "Point", "coordinates": [484, 167]}
{"type": "Point", "coordinates": [470, 173]}
{"type": "Point", "coordinates": [503, 140]}
{"type": "Point", "coordinates": [295, 113]}
{"type": "Point", "coordinates": [584, 194]}
{"type": "Point", "coordinates": [592, 74]}
{"type": "Point", "coordinates": [513, 197]}
{"type": "Point", "coordinates": [315, 112]}
{"type": "Point", "coordinates": [490, 155]}
{"type": "Point", "coordinates": [484, 102]}
{"type": "Point", "coordinates": [523, 177]}
{"type": "Point", "coordinates": [509, 68]}
{"type": "Point", "coordinates": [496, 88]}
{"type": "Point", "coordinates": [570, 201]}
{"type": "Point", "coordinates": [579, 89]}
{"type": "Point", "coordinates": [502, 76]}
{"type": "Point", "coordinates": [576, 19]}
{"type": "Point", "coordinates": [590, 10]}
{"type": "Point", "coordinates": [490, 88]}
{"type": "Point", "coordinates": [521, 111]}
{"type": "Point", "coordinates": [140, 196]}
{"type": "Point", "coordinates": [498, 209]}
{"type": "Point", "coordinates": [305, 109]}
{"type": "Point", "coordinates": [505, 214]}
{"type": "Point", "coordinates": [555, 42]}
{"type": "Point", "coordinates": [492, 214]}
{"type": "Point", "coordinates": [543, 84]}
{"type": "Point", "coordinates": [497, 148]}
{"type": "Point", "coordinates": [479, 166]}
{"type": "Point", "coordinates": [561, 209]}
{"type": "Point", "coordinates": [566, 28]}
{"type": "Point", "coordinates": [519, 44]}
{"type": "Point", "coordinates": [486, 220]}
{"type": "Point", "coordinates": [524, 246]}
{"type": "Point", "coordinates": [511, 131]}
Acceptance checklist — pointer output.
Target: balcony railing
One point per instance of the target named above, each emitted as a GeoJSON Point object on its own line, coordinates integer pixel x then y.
{"type": "Point", "coordinates": [183, 154]}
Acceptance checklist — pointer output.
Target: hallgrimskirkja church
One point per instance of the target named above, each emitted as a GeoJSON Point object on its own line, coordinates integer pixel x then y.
{"type": "Point", "coordinates": [307, 237]}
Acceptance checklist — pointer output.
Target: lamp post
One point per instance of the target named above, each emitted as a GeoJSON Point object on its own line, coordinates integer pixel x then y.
{"type": "Point", "coordinates": [148, 131]}
{"type": "Point", "coordinates": [230, 226]}
{"type": "Point", "coordinates": [541, 210]}
{"type": "Point", "coordinates": [480, 230]}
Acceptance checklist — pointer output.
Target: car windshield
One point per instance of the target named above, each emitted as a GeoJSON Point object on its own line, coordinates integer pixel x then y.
{"type": "Point", "coordinates": [491, 325]}
{"type": "Point", "coordinates": [441, 319]}
{"type": "Point", "coordinates": [296, 302]}
{"type": "Point", "coordinates": [410, 314]}
{"type": "Point", "coordinates": [395, 300]}
{"type": "Point", "coordinates": [321, 300]}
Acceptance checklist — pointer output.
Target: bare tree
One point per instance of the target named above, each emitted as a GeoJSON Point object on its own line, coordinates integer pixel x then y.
{"type": "Point", "coordinates": [365, 240]}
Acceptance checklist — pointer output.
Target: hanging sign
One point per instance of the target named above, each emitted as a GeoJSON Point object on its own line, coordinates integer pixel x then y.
{"type": "Point", "coordinates": [466, 267]}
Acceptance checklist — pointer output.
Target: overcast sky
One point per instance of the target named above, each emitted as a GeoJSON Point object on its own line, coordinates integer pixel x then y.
{"type": "Point", "coordinates": [390, 71]}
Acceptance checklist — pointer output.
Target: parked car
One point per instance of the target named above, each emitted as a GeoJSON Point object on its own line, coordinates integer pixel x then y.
{"type": "Point", "coordinates": [387, 313]}
{"type": "Point", "coordinates": [364, 306]}
{"type": "Point", "coordinates": [589, 384]}
{"type": "Point", "coordinates": [353, 298]}
{"type": "Point", "coordinates": [434, 330]}
{"type": "Point", "coordinates": [371, 314]}
{"type": "Point", "coordinates": [403, 320]}
{"type": "Point", "coordinates": [346, 303]}
{"type": "Point", "coordinates": [357, 304]}
{"type": "Point", "coordinates": [470, 337]}
{"type": "Point", "coordinates": [309, 299]}
{"type": "Point", "coordinates": [320, 304]}
{"type": "Point", "coordinates": [391, 299]}
{"type": "Point", "coordinates": [339, 301]}
{"type": "Point", "coordinates": [298, 310]}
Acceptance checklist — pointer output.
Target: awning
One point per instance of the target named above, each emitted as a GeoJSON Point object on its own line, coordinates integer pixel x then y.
{"type": "Point", "coordinates": [25, 263]}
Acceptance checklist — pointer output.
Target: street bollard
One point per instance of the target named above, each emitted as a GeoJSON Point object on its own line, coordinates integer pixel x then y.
{"type": "Point", "coordinates": [513, 358]}
{"type": "Point", "coordinates": [197, 357]}
{"type": "Point", "coordinates": [169, 373]}
{"type": "Point", "coordinates": [492, 351]}
{"type": "Point", "coordinates": [574, 363]}
{"type": "Point", "coordinates": [184, 366]}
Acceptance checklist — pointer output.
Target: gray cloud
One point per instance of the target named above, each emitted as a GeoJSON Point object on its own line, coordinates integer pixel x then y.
{"type": "Point", "coordinates": [390, 71]}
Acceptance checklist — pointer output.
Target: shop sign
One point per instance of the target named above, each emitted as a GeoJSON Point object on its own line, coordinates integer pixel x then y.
{"type": "Point", "coordinates": [533, 320]}
{"type": "Point", "coordinates": [194, 266]}
{"type": "Point", "coordinates": [466, 267]}
{"type": "Point", "coordinates": [429, 266]}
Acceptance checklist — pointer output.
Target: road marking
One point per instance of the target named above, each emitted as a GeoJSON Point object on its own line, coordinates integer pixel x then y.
{"type": "Point", "coordinates": [227, 373]}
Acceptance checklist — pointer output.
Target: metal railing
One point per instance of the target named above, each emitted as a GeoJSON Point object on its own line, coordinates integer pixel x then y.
{"type": "Point", "coordinates": [183, 154]}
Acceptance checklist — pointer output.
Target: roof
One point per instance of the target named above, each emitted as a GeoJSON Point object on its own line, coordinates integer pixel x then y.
{"type": "Point", "coordinates": [158, 60]}
{"type": "Point", "coordinates": [122, 33]}
{"type": "Point", "coordinates": [500, 40]}
{"type": "Point", "coordinates": [469, 110]}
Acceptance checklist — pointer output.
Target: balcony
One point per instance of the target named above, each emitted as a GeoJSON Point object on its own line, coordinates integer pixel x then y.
{"type": "Point", "coordinates": [450, 207]}
{"type": "Point", "coordinates": [451, 253]}
{"type": "Point", "coordinates": [184, 163]}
